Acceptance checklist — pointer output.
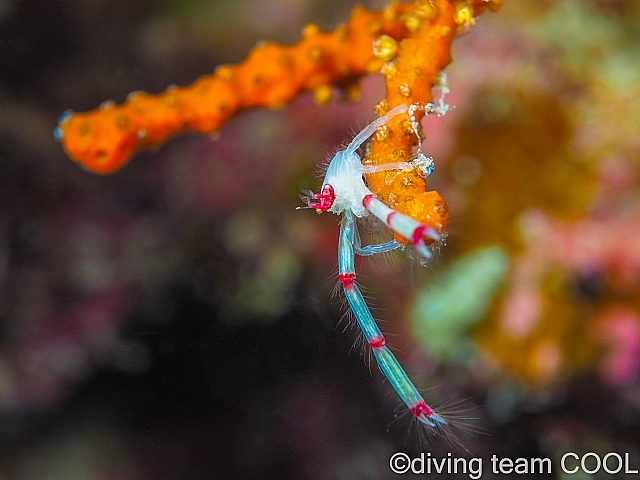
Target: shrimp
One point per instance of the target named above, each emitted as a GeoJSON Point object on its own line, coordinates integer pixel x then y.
{"type": "Point", "coordinates": [345, 193]}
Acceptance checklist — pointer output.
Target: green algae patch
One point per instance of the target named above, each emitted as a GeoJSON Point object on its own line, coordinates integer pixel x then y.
{"type": "Point", "coordinates": [455, 300]}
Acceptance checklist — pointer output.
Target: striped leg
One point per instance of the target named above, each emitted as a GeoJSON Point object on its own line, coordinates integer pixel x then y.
{"type": "Point", "coordinates": [406, 226]}
{"type": "Point", "coordinates": [387, 362]}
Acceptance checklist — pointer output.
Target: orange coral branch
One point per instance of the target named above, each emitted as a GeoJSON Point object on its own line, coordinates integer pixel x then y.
{"type": "Point", "coordinates": [409, 80]}
{"type": "Point", "coordinates": [104, 139]}
{"type": "Point", "coordinates": [271, 76]}
{"type": "Point", "coordinates": [409, 43]}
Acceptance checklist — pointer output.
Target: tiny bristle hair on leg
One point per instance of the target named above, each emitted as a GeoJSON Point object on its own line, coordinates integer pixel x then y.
{"type": "Point", "coordinates": [360, 343]}
{"type": "Point", "coordinates": [361, 346]}
{"type": "Point", "coordinates": [427, 436]}
{"type": "Point", "coordinates": [330, 281]}
{"type": "Point", "coordinates": [336, 287]}
{"type": "Point", "coordinates": [394, 348]}
{"type": "Point", "coordinates": [373, 224]}
{"type": "Point", "coordinates": [348, 316]}
{"type": "Point", "coordinates": [446, 432]}
{"type": "Point", "coordinates": [370, 299]}
{"type": "Point", "coordinates": [457, 413]}
{"type": "Point", "coordinates": [368, 296]}
{"type": "Point", "coordinates": [335, 293]}
{"type": "Point", "coordinates": [321, 168]}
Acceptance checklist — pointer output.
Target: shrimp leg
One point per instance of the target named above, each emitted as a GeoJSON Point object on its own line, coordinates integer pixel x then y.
{"type": "Point", "coordinates": [386, 360]}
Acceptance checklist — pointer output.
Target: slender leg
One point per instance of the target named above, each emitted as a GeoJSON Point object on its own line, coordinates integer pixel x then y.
{"type": "Point", "coordinates": [374, 249]}
{"type": "Point", "coordinates": [387, 362]}
{"type": "Point", "coordinates": [387, 166]}
{"type": "Point", "coordinates": [418, 161]}
{"type": "Point", "coordinates": [372, 127]}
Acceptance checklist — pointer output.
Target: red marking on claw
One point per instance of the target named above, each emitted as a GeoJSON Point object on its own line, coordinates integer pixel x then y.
{"type": "Point", "coordinates": [377, 342]}
{"type": "Point", "coordinates": [422, 408]}
{"type": "Point", "coordinates": [390, 216]}
{"type": "Point", "coordinates": [347, 279]}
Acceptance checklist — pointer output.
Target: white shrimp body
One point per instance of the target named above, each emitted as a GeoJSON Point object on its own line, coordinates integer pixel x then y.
{"type": "Point", "coordinates": [344, 175]}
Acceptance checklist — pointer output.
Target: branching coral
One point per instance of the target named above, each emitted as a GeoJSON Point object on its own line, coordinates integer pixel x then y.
{"type": "Point", "coordinates": [408, 43]}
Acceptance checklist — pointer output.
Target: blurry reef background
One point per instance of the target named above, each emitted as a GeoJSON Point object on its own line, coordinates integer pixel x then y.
{"type": "Point", "coordinates": [176, 320]}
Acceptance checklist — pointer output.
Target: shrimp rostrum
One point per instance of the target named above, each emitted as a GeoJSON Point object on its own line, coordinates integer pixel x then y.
{"type": "Point", "coordinates": [344, 192]}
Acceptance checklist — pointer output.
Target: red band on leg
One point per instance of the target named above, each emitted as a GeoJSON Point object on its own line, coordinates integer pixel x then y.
{"type": "Point", "coordinates": [416, 236]}
{"type": "Point", "coordinates": [420, 408]}
{"type": "Point", "coordinates": [367, 199]}
{"type": "Point", "coordinates": [389, 217]}
{"type": "Point", "coordinates": [377, 342]}
{"type": "Point", "coordinates": [347, 279]}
